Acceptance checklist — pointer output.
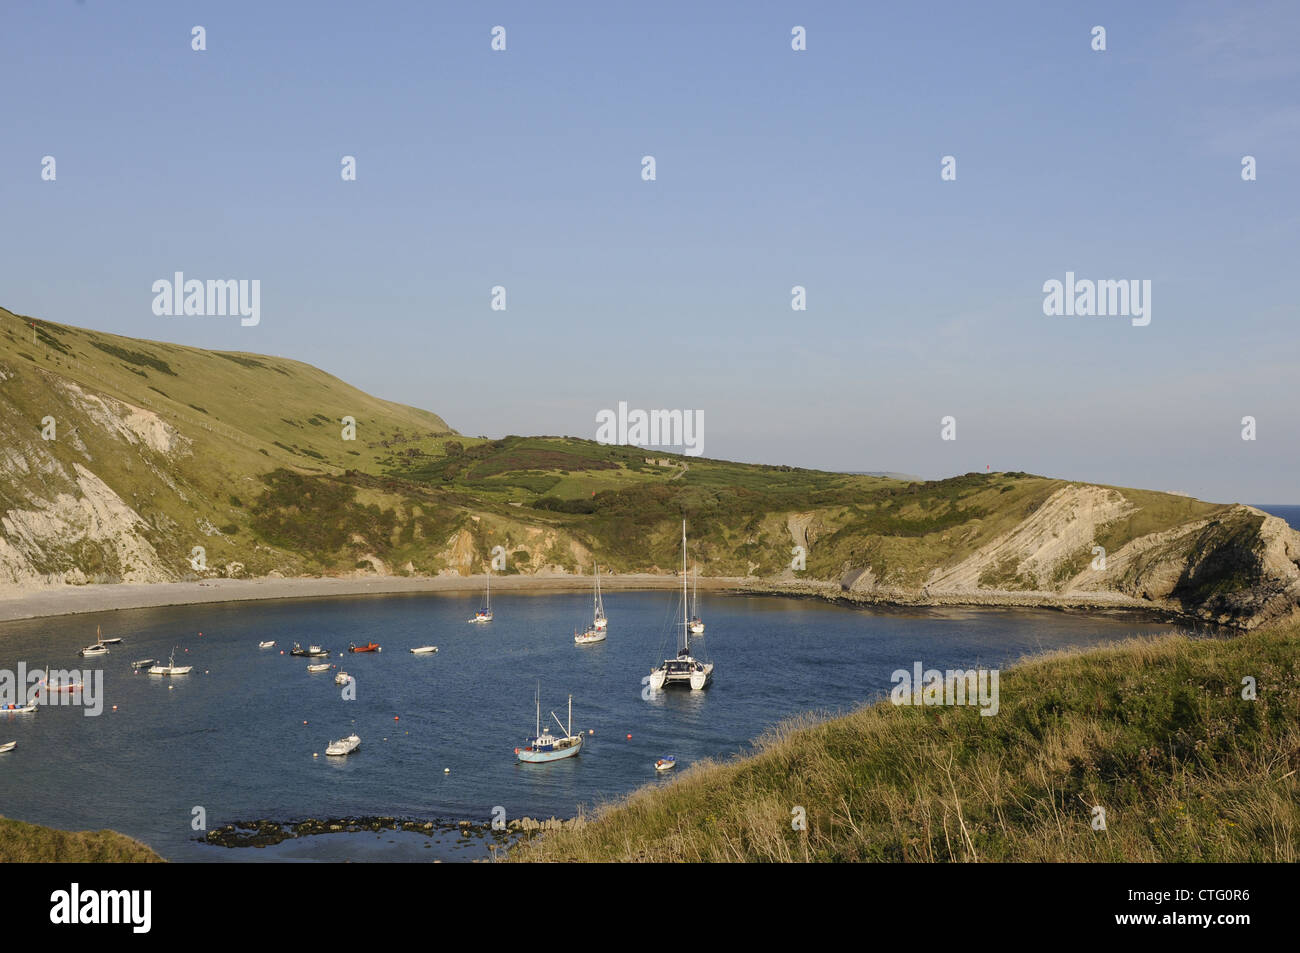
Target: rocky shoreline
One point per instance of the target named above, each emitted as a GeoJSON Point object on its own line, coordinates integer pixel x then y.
{"type": "Point", "coordinates": [268, 833]}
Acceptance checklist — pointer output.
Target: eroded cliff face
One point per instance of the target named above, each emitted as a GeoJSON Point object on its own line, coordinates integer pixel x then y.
{"type": "Point", "coordinates": [1238, 566]}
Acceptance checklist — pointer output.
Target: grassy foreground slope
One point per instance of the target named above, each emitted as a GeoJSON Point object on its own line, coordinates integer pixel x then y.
{"type": "Point", "coordinates": [30, 843]}
{"type": "Point", "coordinates": [1156, 732]}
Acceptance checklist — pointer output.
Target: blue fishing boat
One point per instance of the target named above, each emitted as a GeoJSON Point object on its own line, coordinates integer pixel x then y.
{"type": "Point", "coordinates": [546, 746]}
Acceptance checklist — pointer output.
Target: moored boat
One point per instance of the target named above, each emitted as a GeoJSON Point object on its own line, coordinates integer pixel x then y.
{"type": "Point", "coordinates": [665, 764]}
{"type": "Point", "coordinates": [171, 668]}
{"type": "Point", "coordinates": [424, 650]}
{"type": "Point", "coordinates": [99, 648]}
{"type": "Point", "coordinates": [485, 614]}
{"type": "Point", "coordinates": [368, 647]}
{"type": "Point", "coordinates": [342, 678]}
{"type": "Point", "coordinates": [684, 668]}
{"type": "Point", "coordinates": [8, 746]}
{"type": "Point", "coordinates": [143, 663]}
{"type": "Point", "coordinates": [319, 667]}
{"type": "Point", "coordinates": [266, 645]}
{"type": "Point", "coordinates": [12, 709]}
{"type": "Point", "coordinates": [589, 635]}
{"type": "Point", "coordinates": [344, 745]}
{"type": "Point", "coordinates": [311, 651]}
{"type": "Point", "coordinates": [599, 622]}
{"type": "Point", "coordinates": [546, 746]}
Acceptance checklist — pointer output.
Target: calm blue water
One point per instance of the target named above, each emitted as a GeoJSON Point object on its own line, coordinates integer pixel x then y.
{"type": "Point", "coordinates": [237, 736]}
{"type": "Point", "coordinates": [1289, 513]}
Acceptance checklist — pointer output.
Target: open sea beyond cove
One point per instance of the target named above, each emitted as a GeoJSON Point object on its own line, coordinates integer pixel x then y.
{"type": "Point", "coordinates": [237, 737]}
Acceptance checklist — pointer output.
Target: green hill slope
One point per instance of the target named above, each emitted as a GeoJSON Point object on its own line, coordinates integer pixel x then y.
{"type": "Point", "coordinates": [156, 450]}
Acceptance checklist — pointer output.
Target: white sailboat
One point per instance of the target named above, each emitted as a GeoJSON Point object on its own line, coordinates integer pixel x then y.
{"type": "Point", "coordinates": [171, 668]}
{"type": "Point", "coordinates": [697, 624]}
{"type": "Point", "coordinates": [99, 648]}
{"type": "Point", "coordinates": [684, 669]}
{"type": "Point", "coordinates": [598, 620]}
{"type": "Point", "coordinates": [485, 614]}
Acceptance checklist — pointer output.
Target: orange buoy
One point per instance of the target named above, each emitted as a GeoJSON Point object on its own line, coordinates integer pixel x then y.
{"type": "Point", "coordinates": [394, 718]}
{"type": "Point", "coordinates": [629, 737]}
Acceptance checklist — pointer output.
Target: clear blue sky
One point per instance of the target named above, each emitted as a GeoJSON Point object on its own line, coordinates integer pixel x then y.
{"type": "Point", "coordinates": [775, 168]}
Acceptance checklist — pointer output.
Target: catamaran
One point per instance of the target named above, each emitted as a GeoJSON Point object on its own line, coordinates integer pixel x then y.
{"type": "Point", "coordinates": [485, 614]}
{"type": "Point", "coordinates": [697, 624]}
{"type": "Point", "coordinates": [599, 621]}
{"type": "Point", "coordinates": [99, 648]}
{"type": "Point", "coordinates": [546, 746]}
{"type": "Point", "coordinates": [171, 668]}
{"type": "Point", "coordinates": [684, 669]}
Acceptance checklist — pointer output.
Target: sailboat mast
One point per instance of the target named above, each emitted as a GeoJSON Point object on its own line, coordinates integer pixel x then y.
{"type": "Point", "coordinates": [539, 709]}
{"type": "Point", "coordinates": [568, 732]}
{"type": "Point", "coordinates": [685, 620]}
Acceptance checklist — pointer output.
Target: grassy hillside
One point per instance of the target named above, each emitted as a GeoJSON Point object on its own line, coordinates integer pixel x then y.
{"type": "Point", "coordinates": [157, 449]}
{"type": "Point", "coordinates": [30, 843]}
{"type": "Point", "coordinates": [1154, 731]}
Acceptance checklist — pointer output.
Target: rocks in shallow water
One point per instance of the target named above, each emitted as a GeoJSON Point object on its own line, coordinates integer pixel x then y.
{"type": "Point", "coordinates": [266, 833]}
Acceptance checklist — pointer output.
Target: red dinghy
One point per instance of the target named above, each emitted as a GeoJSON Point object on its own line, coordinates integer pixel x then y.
{"type": "Point", "coordinates": [368, 647]}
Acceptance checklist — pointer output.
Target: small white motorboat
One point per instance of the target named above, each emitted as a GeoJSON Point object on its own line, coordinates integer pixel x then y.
{"type": "Point", "coordinates": [116, 641]}
{"type": "Point", "coordinates": [143, 663]}
{"type": "Point", "coordinates": [344, 745]}
{"type": "Point", "coordinates": [17, 709]}
{"type": "Point", "coordinates": [319, 667]}
{"type": "Point", "coordinates": [8, 746]}
{"type": "Point", "coordinates": [171, 668]}
{"type": "Point", "coordinates": [424, 650]}
{"type": "Point", "coordinates": [342, 678]}
{"type": "Point", "coordinates": [665, 764]}
{"type": "Point", "coordinates": [266, 645]}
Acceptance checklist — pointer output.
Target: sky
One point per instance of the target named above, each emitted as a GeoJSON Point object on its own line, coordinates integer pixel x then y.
{"type": "Point", "coordinates": [774, 168]}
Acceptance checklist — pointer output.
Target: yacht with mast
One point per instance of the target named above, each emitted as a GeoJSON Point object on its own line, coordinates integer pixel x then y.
{"type": "Point", "coordinates": [546, 746]}
{"type": "Point", "coordinates": [171, 668]}
{"type": "Point", "coordinates": [596, 631]}
{"type": "Point", "coordinates": [485, 614]}
{"type": "Point", "coordinates": [683, 669]}
{"type": "Point", "coordinates": [599, 621]}
{"type": "Point", "coordinates": [99, 648]}
{"type": "Point", "coordinates": [697, 624]}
